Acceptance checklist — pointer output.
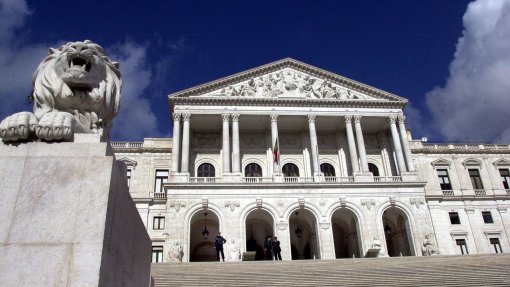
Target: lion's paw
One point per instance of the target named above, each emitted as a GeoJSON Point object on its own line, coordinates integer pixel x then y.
{"type": "Point", "coordinates": [55, 126]}
{"type": "Point", "coordinates": [18, 126]}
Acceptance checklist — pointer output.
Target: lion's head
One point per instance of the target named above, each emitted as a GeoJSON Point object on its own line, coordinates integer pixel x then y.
{"type": "Point", "coordinates": [80, 79]}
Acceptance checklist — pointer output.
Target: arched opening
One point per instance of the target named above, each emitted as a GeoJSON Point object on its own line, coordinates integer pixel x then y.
{"type": "Point", "coordinates": [327, 169]}
{"type": "Point", "coordinates": [206, 170]}
{"type": "Point", "coordinates": [201, 248]}
{"type": "Point", "coordinates": [290, 170]}
{"type": "Point", "coordinates": [345, 234]}
{"type": "Point", "coordinates": [259, 225]}
{"type": "Point", "coordinates": [396, 232]}
{"type": "Point", "coordinates": [373, 169]}
{"type": "Point", "coordinates": [253, 170]}
{"type": "Point", "coordinates": [303, 235]}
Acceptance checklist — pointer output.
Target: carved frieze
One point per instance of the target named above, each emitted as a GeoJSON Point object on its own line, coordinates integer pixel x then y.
{"type": "Point", "coordinates": [281, 225]}
{"type": "Point", "coordinates": [368, 203]}
{"type": "Point", "coordinates": [288, 83]}
{"type": "Point", "coordinates": [232, 204]}
{"type": "Point", "coordinates": [177, 205]}
{"type": "Point", "coordinates": [417, 201]}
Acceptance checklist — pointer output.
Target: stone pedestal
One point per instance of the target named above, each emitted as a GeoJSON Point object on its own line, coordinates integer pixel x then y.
{"type": "Point", "coordinates": [363, 177]}
{"type": "Point", "coordinates": [68, 218]}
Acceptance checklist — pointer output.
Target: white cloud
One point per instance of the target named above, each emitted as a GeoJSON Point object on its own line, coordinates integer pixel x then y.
{"type": "Point", "coordinates": [473, 105]}
{"type": "Point", "coordinates": [135, 119]}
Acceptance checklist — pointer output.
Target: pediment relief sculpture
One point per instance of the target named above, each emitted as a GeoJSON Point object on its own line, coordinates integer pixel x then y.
{"type": "Point", "coordinates": [288, 83]}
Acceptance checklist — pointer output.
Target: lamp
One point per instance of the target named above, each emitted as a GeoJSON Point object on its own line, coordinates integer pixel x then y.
{"type": "Point", "coordinates": [298, 230]}
{"type": "Point", "coordinates": [205, 233]}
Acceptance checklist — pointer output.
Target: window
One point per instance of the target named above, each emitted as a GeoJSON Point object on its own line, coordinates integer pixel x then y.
{"type": "Point", "coordinates": [495, 244]}
{"type": "Point", "coordinates": [158, 223]}
{"type": "Point", "coordinates": [454, 217]}
{"type": "Point", "coordinates": [461, 244]}
{"type": "Point", "coordinates": [487, 217]}
{"type": "Point", "coordinates": [253, 170]}
{"type": "Point", "coordinates": [206, 170]}
{"type": "Point", "coordinates": [373, 169]}
{"type": "Point", "coordinates": [157, 254]}
{"type": "Point", "coordinates": [476, 181]}
{"type": "Point", "coordinates": [444, 179]}
{"type": "Point", "coordinates": [128, 175]}
{"type": "Point", "coordinates": [327, 169]}
{"type": "Point", "coordinates": [505, 177]}
{"type": "Point", "coordinates": [161, 177]}
{"type": "Point", "coordinates": [290, 170]}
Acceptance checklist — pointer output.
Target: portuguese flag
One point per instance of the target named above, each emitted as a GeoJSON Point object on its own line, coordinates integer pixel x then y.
{"type": "Point", "coordinates": [276, 152]}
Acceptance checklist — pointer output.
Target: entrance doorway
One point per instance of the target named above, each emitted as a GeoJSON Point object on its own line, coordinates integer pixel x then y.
{"type": "Point", "coordinates": [396, 232]}
{"type": "Point", "coordinates": [303, 235]}
{"type": "Point", "coordinates": [259, 225]}
{"type": "Point", "coordinates": [201, 248]}
{"type": "Point", "coordinates": [345, 234]}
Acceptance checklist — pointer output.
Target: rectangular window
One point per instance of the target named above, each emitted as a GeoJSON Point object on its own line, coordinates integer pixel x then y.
{"type": "Point", "coordinates": [505, 177]}
{"type": "Point", "coordinates": [444, 179]}
{"type": "Point", "coordinates": [161, 177]}
{"type": "Point", "coordinates": [454, 217]}
{"type": "Point", "coordinates": [158, 223]}
{"type": "Point", "coordinates": [495, 244]}
{"type": "Point", "coordinates": [128, 177]}
{"type": "Point", "coordinates": [476, 180]}
{"type": "Point", "coordinates": [487, 217]}
{"type": "Point", "coordinates": [157, 254]}
{"type": "Point", "coordinates": [461, 244]}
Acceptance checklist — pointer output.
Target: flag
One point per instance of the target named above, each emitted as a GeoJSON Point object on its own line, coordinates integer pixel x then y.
{"type": "Point", "coordinates": [276, 152]}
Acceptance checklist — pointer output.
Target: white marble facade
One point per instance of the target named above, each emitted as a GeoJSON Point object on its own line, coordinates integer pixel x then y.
{"type": "Point", "coordinates": [348, 167]}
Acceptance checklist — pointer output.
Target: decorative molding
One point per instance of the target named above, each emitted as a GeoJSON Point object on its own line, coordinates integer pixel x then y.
{"type": "Point", "coordinates": [392, 200]}
{"type": "Point", "coordinates": [273, 117]}
{"type": "Point", "coordinates": [343, 202]}
{"type": "Point", "coordinates": [417, 201]}
{"type": "Point", "coordinates": [401, 119]}
{"type": "Point", "coordinates": [501, 163]}
{"type": "Point", "coordinates": [325, 225]}
{"type": "Point", "coordinates": [177, 205]}
{"type": "Point", "coordinates": [128, 162]}
{"type": "Point", "coordinates": [311, 118]}
{"type": "Point", "coordinates": [281, 225]}
{"type": "Point", "coordinates": [368, 203]}
{"type": "Point", "coordinates": [259, 202]}
{"type": "Point", "coordinates": [441, 163]}
{"type": "Point", "coordinates": [235, 117]}
{"type": "Point", "coordinates": [472, 162]}
{"type": "Point", "coordinates": [301, 201]}
{"type": "Point", "coordinates": [232, 204]}
{"type": "Point", "coordinates": [186, 117]}
{"type": "Point", "coordinates": [357, 119]}
{"type": "Point", "coordinates": [205, 203]}
{"type": "Point", "coordinates": [392, 119]}
{"type": "Point", "coordinates": [322, 202]}
{"type": "Point", "coordinates": [225, 117]}
{"type": "Point", "coordinates": [348, 119]}
{"type": "Point", "coordinates": [176, 117]}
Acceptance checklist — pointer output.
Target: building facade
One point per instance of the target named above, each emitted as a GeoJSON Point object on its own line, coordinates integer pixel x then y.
{"type": "Point", "coordinates": [323, 162]}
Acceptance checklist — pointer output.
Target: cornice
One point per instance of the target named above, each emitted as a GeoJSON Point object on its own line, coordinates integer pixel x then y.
{"type": "Point", "coordinates": [281, 64]}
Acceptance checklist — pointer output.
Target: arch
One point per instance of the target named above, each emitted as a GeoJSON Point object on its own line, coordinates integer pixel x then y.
{"type": "Point", "coordinates": [201, 248]}
{"type": "Point", "coordinates": [395, 225]}
{"type": "Point", "coordinates": [353, 236]}
{"type": "Point", "coordinates": [373, 168]}
{"type": "Point", "coordinates": [328, 169]}
{"type": "Point", "coordinates": [259, 224]}
{"type": "Point", "coordinates": [257, 161]}
{"type": "Point", "coordinates": [206, 170]}
{"type": "Point", "coordinates": [304, 234]}
{"type": "Point", "coordinates": [253, 170]}
{"type": "Point", "coordinates": [206, 160]}
{"type": "Point", "coordinates": [290, 170]}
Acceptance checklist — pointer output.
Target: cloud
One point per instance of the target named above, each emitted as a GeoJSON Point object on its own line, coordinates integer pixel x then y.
{"type": "Point", "coordinates": [135, 119]}
{"type": "Point", "coordinates": [473, 104]}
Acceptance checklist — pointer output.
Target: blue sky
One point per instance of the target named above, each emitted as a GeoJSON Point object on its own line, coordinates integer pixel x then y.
{"type": "Point", "coordinates": [451, 59]}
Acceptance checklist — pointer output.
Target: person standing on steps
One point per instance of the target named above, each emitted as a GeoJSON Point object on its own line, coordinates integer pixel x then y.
{"type": "Point", "coordinates": [268, 246]}
{"type": "Point", "coordinates": [276, 249]}
{"type": "Point", "coordinates": [218, 245]}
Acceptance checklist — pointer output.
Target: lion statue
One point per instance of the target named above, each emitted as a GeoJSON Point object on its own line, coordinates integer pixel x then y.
{"type": "Point", "coordinates": [76, 90]}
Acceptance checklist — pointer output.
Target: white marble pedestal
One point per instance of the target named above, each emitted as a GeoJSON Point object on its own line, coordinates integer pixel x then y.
{"type": "Point", "coordinates": [67, 218]}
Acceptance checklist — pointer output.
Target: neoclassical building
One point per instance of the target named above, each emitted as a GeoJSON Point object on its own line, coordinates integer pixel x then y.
{"type": "Point", "coordinates": [321, 161]}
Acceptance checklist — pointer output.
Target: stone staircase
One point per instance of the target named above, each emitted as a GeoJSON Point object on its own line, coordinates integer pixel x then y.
{"type": "Point", "coordinates": [466, 270]}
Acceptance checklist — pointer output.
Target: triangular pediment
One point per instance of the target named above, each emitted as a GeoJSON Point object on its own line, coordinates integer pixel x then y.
{"type": "Point", "coordinates": [128, 161]}
{"type": "Point", "coordinates": [440, 162]}
{"type": "Point", "coordinates": [288, 79]}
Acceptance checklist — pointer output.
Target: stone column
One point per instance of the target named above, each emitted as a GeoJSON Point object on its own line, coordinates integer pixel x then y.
{"type": "Point", "coordinates": [313, 144]}
{"type": "Point", "coordinates": [176, 142]}
{"type": "Point", "coordinates": [185, 143]}
{"type": "Point", "coordinates": [226, 143]}
{"type": "Point", "coordinates": [236, 157]}
{"type": "Point", "coordinates": [405, 144]}
{"type": "Point", "coordinates": [396, 144]}
{"type": "Point", "coordinates": [274, 136]}
{"type": "Point", "coordinates": [361, 144]}
{"type": "Point", "coordinates": [352, 144]}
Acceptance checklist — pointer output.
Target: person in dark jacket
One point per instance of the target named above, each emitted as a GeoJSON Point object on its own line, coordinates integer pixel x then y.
{"type": "Point", "coordinates": [268, 246]}
{"type": "Point", "coordinates": [218, 245]}
{"type": "Point", "coordinates": [276, 249]}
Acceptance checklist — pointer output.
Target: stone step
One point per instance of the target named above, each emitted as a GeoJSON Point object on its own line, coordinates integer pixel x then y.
{"type": "Point", "coordinates": [471, 270]}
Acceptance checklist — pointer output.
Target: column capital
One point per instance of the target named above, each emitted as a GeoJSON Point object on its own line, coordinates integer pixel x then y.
{"type": "Point", "coordinates": [311, 118]}
{"type": "Point", "coordinates": [357, 119]}
{"type": "Point", "coordinates": [348, 119]}
{"type": "Point", "coordinates": [176, 117]}
{"type": "Point", "coordinates": [392, 119]}
{"type": "Point", "coordinates": [235, 117]}
{"type": "Point", "coordinates": [273, 117]}
{"type": "Point", "coordinates": [401, 119]}
{"type": "Point", "coordinates": [186, 117]}
{"type": "Point", "coordinates": [225, 117]}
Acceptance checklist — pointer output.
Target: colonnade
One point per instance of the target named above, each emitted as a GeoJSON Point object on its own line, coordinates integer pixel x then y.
{"type": "Point", "coordinates": [355, 141]}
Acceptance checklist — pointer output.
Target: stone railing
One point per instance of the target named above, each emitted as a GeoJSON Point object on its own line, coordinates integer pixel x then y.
{"type": "Point", "coordinates": [466, 193]}
{"type": "Point", "coordinates": [159, 195]}
{"type": "Point", "coordinates": [480, 192]}
{"type": "Point", "coordinates": [449, 147]}
{"type": "Point", "coordinates": [205, 180]}
{"type": "Point", "coordinates": [127, 144]}
{"type": "Point", "coordinates": [295, 179]}
{"type": "Point", "coordinates": [335, 179]}
{"type": "Point", "coordinates": [448, 192]}
{"type": "Point", "coordinates": [387, 178]}
{"type": "Point", "coordinates": [257, 179]}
